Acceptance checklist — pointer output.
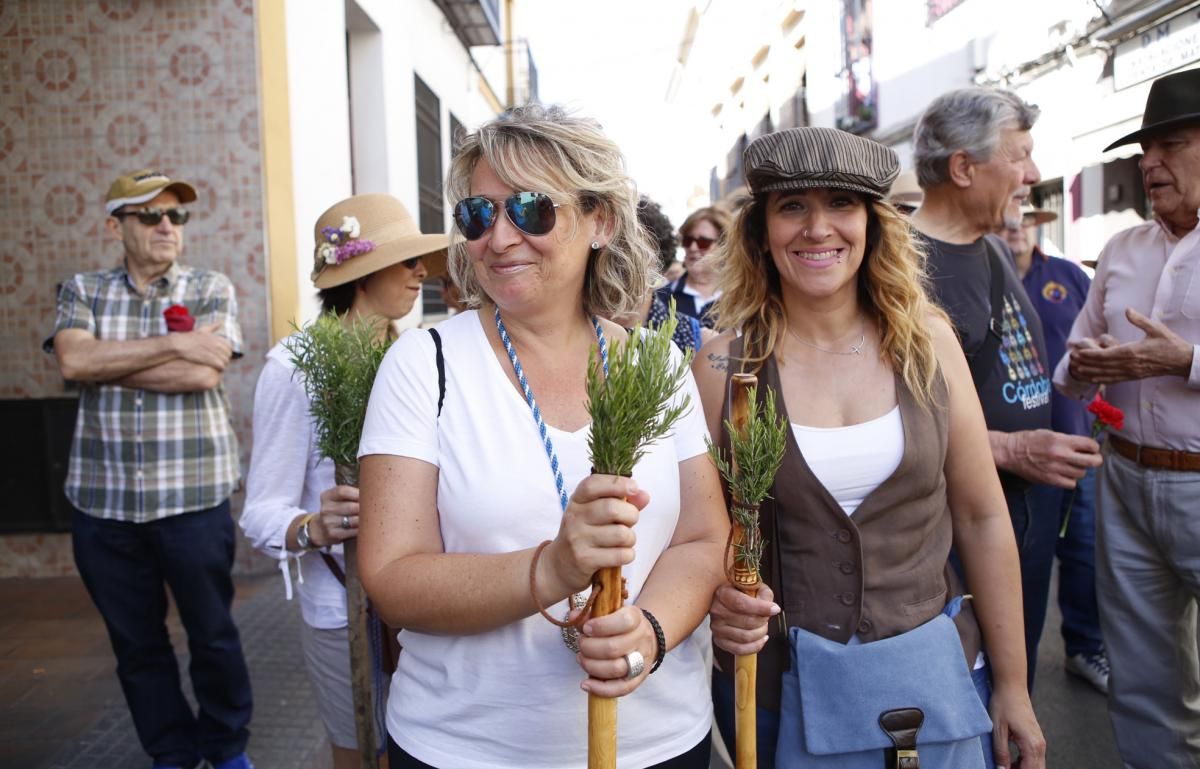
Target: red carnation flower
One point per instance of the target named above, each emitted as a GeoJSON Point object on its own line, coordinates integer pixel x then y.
{"type": "Point", "coordinates": [1107, 416]}
{"type": "Point", "coordinates": [178, 318]}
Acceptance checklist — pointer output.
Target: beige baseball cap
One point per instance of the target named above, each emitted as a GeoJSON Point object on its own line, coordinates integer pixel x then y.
{"type": "Point", "coordinates": [140, 186]}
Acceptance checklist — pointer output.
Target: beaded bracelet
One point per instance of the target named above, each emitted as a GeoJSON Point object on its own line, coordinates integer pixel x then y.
{"type": "Point", "coordinates": [661, 653]}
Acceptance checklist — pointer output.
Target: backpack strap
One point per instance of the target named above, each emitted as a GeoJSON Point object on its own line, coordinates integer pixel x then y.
{"type": "Point", "coordinates": [441, 367]}
{"type": "Point", "coordinates": [981, 361]}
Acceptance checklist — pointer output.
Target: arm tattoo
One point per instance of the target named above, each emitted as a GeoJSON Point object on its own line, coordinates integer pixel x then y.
{"type": "Point", "coordinates": [718, 362]}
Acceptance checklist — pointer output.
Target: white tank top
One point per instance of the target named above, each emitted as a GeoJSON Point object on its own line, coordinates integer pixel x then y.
{"type": "Point", "coordinates": [851, 462]}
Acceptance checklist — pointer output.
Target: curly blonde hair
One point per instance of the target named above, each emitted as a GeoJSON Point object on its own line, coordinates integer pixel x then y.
{"type": "Point", "coordinates": [546, 149]}
{"type": "Point", "coordinates": [891, 289]}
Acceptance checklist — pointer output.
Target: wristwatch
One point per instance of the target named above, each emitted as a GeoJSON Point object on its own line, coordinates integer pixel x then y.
{"type": "Point", "coordinates": [303, 538]}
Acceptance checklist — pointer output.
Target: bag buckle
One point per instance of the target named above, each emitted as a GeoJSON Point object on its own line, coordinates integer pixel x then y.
{"type": "Point", "coordinates": [901, 726]}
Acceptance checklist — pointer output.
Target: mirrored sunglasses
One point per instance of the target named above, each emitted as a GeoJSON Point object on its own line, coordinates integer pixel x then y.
{"type": "Point", "coordinates": [702, 244]}
{"type": "Point", "coordinates": [152, 216]}
{"type": "Point", "coordinates": [530, 212]}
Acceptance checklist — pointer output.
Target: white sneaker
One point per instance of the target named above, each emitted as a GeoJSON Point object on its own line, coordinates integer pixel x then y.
{"type": "Point", "coordinates": [1092, 668]}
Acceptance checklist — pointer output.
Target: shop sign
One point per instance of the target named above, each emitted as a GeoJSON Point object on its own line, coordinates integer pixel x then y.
{"type": "Point", "coordinates": [1162, 48]}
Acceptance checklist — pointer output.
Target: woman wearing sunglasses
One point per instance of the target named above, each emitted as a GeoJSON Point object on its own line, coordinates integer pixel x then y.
{"type": "Point", "coordinates": [887, 460]}
{"type": "Point", "coordinates": [369, 261]}
{"type": "Point", "coordinates": [695, 292]}
{"type": "Point", "coordinates": [482, 508]}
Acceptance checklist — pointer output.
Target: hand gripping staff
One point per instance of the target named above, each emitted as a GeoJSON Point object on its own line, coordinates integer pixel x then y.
{"type": "Point", "coordinates": [630, 407]}
{"type": "Point", "coordinates": [757, 437]}
{"type": "Point", "coordinates": [338, 361]}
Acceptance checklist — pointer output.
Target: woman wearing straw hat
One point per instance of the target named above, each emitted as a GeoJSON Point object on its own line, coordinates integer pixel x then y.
{"type": "Point", "coordinates": [369, 261]}
{"type": "Point", "coordinates": [456, 500]}
{"type": "Point", "coordinates": [887, 461]}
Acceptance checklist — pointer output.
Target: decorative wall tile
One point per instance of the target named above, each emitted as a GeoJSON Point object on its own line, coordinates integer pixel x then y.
{"type": "Point", "coordinates": [90, 89]}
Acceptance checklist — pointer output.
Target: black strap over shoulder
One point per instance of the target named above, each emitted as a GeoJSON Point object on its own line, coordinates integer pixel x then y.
{"type": "Point", "coordinates": [981, 361]}
{"type": "Point", "coordinates": [441, 367]}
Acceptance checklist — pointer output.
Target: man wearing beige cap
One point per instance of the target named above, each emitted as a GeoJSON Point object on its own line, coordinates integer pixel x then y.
{"type": "Point", "coordinates": [973, 152]}
{"type": "Point", "coordinates": [152, 466]}
{"type": "Point", "coordinates": [1139, 336]}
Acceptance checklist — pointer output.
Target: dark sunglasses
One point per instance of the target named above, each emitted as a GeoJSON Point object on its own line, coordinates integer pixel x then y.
{"type": "Point", "coordinates": [695, 240]}
{"type": "Point", "coordinates": [152, 216]}
{"type": "Point", "coordinates": [530, 212]}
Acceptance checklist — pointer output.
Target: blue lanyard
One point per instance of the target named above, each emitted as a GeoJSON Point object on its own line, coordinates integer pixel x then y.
{"type": "Point", "coordinates": [533, 407]}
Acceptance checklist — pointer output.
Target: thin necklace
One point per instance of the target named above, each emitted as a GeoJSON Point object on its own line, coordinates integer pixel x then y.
{"type": "Point", "coordinates": [570, 634]}
{"type": "Point", "coordinates": [855, 349]}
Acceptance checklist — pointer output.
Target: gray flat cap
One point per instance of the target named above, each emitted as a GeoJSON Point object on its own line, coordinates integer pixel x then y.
{"type": "Point", "coordinates": [808, 158]}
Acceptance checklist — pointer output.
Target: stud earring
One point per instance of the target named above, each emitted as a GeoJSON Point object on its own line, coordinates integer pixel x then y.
{"type": "Point", "coordinates": [595, 245]}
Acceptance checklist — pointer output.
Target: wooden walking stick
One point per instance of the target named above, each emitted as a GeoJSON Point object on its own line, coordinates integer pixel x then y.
{"type": "Point", "coordinates": [630, 406]}
{"type": "Point", "coordinates": [338, 361]}
{"type": "Point", "coordinates": [757, 438]}
{"type": "Point", "coordinates": [362, 661]}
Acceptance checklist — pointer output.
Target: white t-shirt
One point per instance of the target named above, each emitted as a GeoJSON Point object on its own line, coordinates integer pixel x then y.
{"type": "Point", "coordinates": [286, 478]}
{"type": "Point", "coordinates": [510, 697]}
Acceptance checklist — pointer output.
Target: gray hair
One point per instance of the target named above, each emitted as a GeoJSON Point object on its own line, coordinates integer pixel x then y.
{"type": "Point", "coordinates": [570, 158]}
{"type": "Point", "coordinates": [970, 120]}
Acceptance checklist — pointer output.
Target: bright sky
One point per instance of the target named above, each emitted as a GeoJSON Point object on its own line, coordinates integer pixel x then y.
{"type": "Point", "coordinates": [613, 61]}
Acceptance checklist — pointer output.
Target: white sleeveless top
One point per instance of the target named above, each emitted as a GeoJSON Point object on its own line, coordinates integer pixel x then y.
{"type": "Point", "coordinates": [851, 462]}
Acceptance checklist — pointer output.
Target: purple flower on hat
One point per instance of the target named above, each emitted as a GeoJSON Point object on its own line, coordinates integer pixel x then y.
{"type": "Point", "coordinates": [353, 248]}
{"type": "Point", "coordinates": [341, 243]}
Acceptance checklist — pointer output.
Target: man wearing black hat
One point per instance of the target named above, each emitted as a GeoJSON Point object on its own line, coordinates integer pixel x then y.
{"type": "Point", "coordinates": [973, 155]}
{"type": "Point", "coordinates": [1139, 336]}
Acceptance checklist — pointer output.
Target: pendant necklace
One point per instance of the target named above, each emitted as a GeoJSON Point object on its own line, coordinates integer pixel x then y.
{"type": "Point", "coordinates": [577, 600]}
{"type": "Point", "coordinates": [855, 349]}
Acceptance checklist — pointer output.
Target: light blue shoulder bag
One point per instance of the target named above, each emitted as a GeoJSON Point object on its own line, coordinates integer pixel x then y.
{"type": "Point", "coordinates": [905, 702]}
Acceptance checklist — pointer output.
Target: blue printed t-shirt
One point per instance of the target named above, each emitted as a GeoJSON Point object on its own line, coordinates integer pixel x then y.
{"type": "Point", "coordinates": [1015, 393]}
{"type": "Point", "coordinates": [1057, 288]}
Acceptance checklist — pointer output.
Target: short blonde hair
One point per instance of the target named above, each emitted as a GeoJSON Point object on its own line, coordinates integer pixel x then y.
{"type": "Point", "coordinates": [546, 149]}
{"type": "Point", "coordinates": [891, 290]}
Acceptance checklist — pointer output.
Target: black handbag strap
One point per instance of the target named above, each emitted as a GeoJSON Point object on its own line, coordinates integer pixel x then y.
{"type": "Point", "coordinates": [981, 361]}
{"type": "Point", "coordinates": [334, 567]}
{"type": "Point", "coordinates": [441, 367]}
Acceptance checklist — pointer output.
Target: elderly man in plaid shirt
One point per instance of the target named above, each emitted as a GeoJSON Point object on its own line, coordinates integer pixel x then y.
{"type": "Point", "coordinates": [153, 463]}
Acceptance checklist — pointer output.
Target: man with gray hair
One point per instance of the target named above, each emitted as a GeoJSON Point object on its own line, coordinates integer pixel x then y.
{"type": "Point", "coordinates": [973, 153]}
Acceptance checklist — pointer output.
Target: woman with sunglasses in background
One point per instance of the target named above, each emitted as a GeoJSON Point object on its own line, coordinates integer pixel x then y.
{"type": "Point", "coordinates": [695, 292]}
{"type": "Point", "coordinates": [479, 506]}
{"type": "Point", "coordinates": [887, 460]}
{"type": "Point", "coordinates": [369, 261]}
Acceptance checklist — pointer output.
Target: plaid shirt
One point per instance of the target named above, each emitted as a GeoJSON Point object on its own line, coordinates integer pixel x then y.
{"type": "Point", "coordinates": [140, 455]}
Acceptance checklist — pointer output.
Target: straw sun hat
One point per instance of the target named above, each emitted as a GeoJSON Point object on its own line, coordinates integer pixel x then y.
{"type": "Point", "coordinates": [367, 233]}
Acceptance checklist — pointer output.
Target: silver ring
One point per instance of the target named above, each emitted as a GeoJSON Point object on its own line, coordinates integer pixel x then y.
{"type": "Point", "coordinates": [636, 662]}
{"type": "Point", "coordinates": [345, 521]}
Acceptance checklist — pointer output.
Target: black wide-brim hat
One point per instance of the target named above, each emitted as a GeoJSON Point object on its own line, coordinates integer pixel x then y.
{"type": "Point", "coordinates": [1174, 101]}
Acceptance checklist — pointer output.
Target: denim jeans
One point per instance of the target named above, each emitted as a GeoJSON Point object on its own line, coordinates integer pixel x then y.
{"type": "Point", "coordinates": [768, 720]}
{"type": "Point", "coordinates": [125, 566]}
{"type": "Point", "coordinates": [1034, 511]}
{"type": "Point", "coordinates": [1076, 553]}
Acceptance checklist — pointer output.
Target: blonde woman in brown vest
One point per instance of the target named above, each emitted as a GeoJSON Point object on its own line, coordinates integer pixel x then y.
{"type": "Point", "coordinates": [887, 462]}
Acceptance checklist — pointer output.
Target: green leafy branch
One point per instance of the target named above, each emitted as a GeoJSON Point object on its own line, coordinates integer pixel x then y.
{"type": "Point", "coordinates": [630, 407]}
{"type": "Point", "coordinates": [757, 453]}
{"type": "Point", "coordinates": [338, 361]}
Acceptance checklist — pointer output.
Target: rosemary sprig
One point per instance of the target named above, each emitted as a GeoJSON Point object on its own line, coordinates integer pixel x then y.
{"type": "Point", "coordinates": [338, 361]}
{"type": "Point", "coordinates": [757, 453]}
{"type": "Point", "coordinates": [630, 407]}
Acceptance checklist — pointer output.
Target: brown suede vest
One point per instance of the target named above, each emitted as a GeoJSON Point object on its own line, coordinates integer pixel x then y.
{"type": "Point", "coordinates": [878, 573]}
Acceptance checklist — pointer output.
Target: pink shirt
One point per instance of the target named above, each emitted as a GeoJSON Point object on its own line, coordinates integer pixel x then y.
{"type": "Point", "coordinates": [1158, 274]}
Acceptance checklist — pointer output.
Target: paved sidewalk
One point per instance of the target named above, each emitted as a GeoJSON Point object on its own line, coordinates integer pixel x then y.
{"type": "Point", "coordinates": [61, 706]}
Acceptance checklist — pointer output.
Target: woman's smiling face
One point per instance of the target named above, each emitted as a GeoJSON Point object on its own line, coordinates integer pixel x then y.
{"type": "Point", "coordinates": [817, 239]}
{"type": "Point", "coordinates": [515, 268]}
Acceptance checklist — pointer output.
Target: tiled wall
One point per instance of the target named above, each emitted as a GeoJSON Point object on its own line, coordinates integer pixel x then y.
{"type": "Point", "coordinates": [90, 89]}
